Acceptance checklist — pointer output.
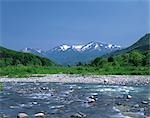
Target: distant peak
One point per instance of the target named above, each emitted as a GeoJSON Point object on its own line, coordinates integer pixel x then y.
{"type": "Point", "coordinates": [83, 47]}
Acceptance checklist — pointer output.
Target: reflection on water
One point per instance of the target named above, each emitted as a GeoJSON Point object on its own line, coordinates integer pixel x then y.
{"type": "Point", "coordinates": [59, 100]}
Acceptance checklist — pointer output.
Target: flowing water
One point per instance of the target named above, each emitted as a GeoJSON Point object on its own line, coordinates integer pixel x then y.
{"type": "Point", "coordinates": [58, 100]}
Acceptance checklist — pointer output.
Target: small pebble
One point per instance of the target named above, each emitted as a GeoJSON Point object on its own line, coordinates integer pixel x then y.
{"type": "Point", "coordinates": [78, 115]}
{"type": "Point", "coordinates": [136, 105]}
{"type": "Point", "coordinates": [129, 96]}
{"type": "Point", "coordinates": [40, 115]}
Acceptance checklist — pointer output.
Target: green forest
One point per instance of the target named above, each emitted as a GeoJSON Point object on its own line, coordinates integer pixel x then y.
{"type": "Point", "coordinates": [134, 58]}
{"type": "Point", "coordinates": [14, 58]}
{"type": "Point", "coordinates": [133, 63]}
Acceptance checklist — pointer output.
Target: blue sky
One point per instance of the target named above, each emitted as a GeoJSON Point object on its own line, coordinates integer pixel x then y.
{"type": "Point", "coordinates": [47, 23]}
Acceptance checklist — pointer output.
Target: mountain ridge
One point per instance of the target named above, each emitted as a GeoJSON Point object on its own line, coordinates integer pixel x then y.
{"type": "Point", "coordinates": [84, 47]}
{"type": "Point", "coordinates": [72, 54]}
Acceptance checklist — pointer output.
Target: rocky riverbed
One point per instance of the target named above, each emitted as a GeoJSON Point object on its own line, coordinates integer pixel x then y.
{"type": "Point", "coordinates": [67, 78]}
{"type": "Point", "coordinates": [74, 100]}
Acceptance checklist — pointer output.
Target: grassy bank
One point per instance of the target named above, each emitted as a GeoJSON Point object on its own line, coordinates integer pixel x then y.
{"type": "Point", "coordinates": [24, 71]}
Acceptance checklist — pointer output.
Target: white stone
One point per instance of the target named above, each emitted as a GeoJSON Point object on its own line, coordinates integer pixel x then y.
{"type": "Point", "coordinates": [39, 115]}
{"type": "Point", "coordinates": [129, 96]}
{"type": "Point", "coordinates": [22, 115]}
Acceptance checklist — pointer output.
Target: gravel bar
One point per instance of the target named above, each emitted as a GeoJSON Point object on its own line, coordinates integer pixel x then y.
{"type": "Point", "coordinates": [67, 78]}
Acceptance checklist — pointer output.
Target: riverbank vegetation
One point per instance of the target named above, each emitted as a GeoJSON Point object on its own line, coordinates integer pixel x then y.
{"type": "Point", "coordinates": [25, 71]}
{"type": "Point", "coordinates": [133, 63]}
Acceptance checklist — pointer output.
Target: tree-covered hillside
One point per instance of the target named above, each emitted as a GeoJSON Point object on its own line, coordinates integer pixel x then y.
{"type": "Point", "coordinates": [136, 57]}
{"type": "Point", "coordinates": [143, 44]}
{"type": "Point", "coordinates": [9, 58]}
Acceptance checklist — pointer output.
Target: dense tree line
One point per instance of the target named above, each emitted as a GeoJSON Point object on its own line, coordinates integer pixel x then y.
{"type": "Point", "coordinates": [134, 58]}
{"type": "Point", "coordinates": [10, 57]}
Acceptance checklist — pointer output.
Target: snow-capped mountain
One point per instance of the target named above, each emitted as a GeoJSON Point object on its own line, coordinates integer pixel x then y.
{"type": "Point", "coordinates": [72, 54]}
{"type": "Point", "coordinates": [67, 47]}
{"type": "Point", "coordinates": [82, 48]}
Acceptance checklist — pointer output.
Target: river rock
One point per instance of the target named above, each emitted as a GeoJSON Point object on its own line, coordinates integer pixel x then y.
{"type": "Point", "coordinates": [22, 115]}
{"type": "Point", "coordinates": [78, 115]}
{"type": "Point", "coordinates": [35, 103]}
{"type": "Point", "coordinates": [91, 99]}
{"type": "Point", "coordinates": [144, 102]}
{"type": "Point", "coordinates": [105, 81]}
{"type": "Point", "coordinates": [40, 115]}
{"type": "Point", "coordinates": [136, 105]}
{"type": "Point", "coordinates": [129, 96]}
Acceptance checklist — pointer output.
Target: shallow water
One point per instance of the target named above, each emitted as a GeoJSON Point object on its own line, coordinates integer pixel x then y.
{"type": "Point", "coordinates": [58, 100]}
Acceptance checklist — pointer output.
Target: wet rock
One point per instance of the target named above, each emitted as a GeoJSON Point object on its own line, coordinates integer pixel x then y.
{"type": "Point", "coordinates": [22, 115]}
{"type": "Point", "coordinates": [91, 99]}
{"type": "Point", "coordinates": [40, 115]}
{"type": "Point", "coordinates": [129, 96]}
{"type": "Point", "coordinates": [136, 105]}
{"type": "Point", "coordinates": [34, 103]}
{"type": "Point", "coordinates": [78, 115]}
{"type": "Point", "coordinates": [144, 102]}
{"type": "Point", "coordinates": [105, 81]}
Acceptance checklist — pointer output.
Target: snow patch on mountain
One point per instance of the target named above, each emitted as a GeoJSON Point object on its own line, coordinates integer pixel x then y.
{"type": "Point", "coordinates": [77, 47]}
{"type": "Point", "coordinates": [64, 47]}
{"type": "Point", "coordinates": [88, 46]}
{"type": "Point", "coordinates": [110, 46]}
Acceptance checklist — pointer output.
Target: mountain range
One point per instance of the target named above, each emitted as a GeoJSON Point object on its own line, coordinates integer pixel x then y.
{"type": "Point", "coordinates": [72, 54]}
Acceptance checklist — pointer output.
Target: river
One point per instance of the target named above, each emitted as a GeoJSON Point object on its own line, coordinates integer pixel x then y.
{"type": "Point", "coordinates": [63, 100]}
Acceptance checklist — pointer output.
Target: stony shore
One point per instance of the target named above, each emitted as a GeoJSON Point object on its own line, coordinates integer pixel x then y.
{"type": "Point", "coordinates": [66, 78]}
{"type": "Point", "coordinates": [46, 100]}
